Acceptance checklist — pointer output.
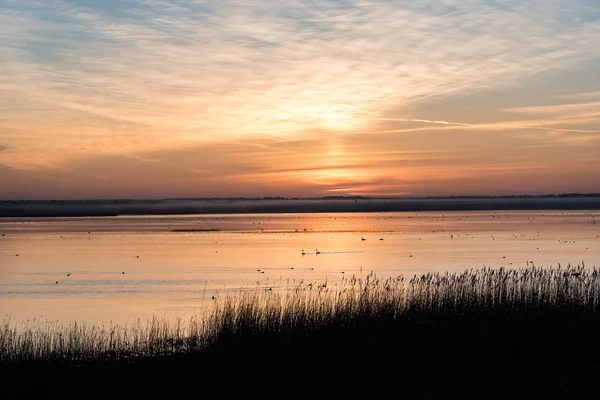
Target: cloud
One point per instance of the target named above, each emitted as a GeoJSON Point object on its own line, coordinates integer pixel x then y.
{"type": "Point", "coordinates": [155, 73]}
{"type": "Point", "coordinates": [558, 109]}
{"type": "Point", "coordinates": [424, 164]}
{"type": "Point", "coordinates": [424, 120]}
{"type": "Point", "coordinates": [539, 125]}
{"type": "Point", "coordinates": [182, 96]}
{"type": "Point", "coordinates": [561, 119]}
{"type": "Point", "coordinates": [582, 96]}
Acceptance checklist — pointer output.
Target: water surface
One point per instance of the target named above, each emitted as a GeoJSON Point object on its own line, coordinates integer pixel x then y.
{"type": "Point", "coordinates": [120, 269]}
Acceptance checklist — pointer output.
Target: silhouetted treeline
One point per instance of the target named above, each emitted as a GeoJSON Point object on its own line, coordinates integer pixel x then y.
{"type": "Point", "coordinates": [114, 207]}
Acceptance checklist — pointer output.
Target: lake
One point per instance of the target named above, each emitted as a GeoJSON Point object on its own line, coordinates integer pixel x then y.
{"type": "Point", "coordinates": [117, 270]}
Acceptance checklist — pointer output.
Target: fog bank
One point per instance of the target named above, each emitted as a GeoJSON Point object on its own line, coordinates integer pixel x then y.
{"type": "Point", "coordinates": [81, 208]}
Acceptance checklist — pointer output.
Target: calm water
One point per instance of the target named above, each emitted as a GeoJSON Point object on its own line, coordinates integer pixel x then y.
{"type": "Point", "coordinates": [119, 269]}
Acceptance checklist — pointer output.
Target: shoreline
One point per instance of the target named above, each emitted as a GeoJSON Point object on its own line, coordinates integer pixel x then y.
{"type": "Point", "coordinates": [91, 208]}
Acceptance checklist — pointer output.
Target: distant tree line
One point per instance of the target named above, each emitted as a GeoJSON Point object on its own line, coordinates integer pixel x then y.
{"type": "Point", "coordinates": [283, 198]}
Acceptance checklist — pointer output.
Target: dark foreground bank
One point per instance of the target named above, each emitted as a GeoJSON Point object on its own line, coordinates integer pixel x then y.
{"type": "Point", "coordinates": [529, 333]}
{"type": "Point", "coordinates": [84, 208]}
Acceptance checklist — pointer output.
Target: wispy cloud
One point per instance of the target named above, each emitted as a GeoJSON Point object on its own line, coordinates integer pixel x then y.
{"type": "Point", "coordinates": [429, 165]}
{"type": "Point", "coordinates": [582, 96]}
{"type": "Point", "coordinates": [195, 70]}
{"type": "Point", "coordinates": [557, 118]}
{"type": "Point", "coordinates": [129, 79]}
{"type": "Point", "coordinates": [424, 120]}
{"type": "Point", "coordinates": [558, 110]}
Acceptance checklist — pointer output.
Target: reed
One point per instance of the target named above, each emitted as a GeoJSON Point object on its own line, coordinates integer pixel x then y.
{"type": "Point", "coordinates": [306, 307]}
{"type": "Point", "coordinates": [477, 320]}
{"type": "Point", "coordinates": [50, 342]}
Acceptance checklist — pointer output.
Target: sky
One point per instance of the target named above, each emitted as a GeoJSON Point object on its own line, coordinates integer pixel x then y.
{"type": "Point", "coordinates": [298, 98]}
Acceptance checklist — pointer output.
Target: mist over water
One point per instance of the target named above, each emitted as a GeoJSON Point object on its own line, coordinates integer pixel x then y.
{"type": "Point", "coordinates": [80, 208]}
{"type": "Point", "coordinates": [124, 268]}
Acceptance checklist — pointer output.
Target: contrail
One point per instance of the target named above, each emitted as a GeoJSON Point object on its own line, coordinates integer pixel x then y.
{"type": "Point", "coordinates": [427, 121]}
{"type": "Point", "coordinates": [484, 125]}
{"type": "Point", "coordinates": [562, 130]}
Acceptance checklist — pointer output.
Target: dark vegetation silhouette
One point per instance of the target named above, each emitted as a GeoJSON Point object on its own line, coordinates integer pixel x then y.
{"type": "Point", "coordinates": [489, 333]}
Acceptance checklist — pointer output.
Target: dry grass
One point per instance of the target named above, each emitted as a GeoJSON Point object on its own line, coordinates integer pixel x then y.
{"type": "Point", "coordinates": [355, 306]}
{"type": "Point", "coordinates": [489, 333]}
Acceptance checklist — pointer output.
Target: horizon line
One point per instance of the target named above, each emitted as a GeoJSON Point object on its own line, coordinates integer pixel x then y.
{"type": "Point", "coordinates": [593, 194]}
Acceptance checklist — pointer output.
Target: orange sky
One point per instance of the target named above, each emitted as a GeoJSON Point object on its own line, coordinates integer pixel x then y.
{"type": "Point", "coordinates": [153, 99]}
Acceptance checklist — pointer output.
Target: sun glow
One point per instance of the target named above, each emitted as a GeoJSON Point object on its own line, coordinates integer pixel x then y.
{"type": "Point", "coordinates": [323, 116]}
{"type": "Point", "coordinates": [335, 176]}
{"type": "Point", "coordinates": [337, 167]}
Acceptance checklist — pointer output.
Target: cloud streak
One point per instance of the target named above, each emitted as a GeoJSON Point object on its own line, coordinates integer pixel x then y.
{"type": "Point", "coordinates": [275, 67]}
{"type": "Point", "coordinates": [427, 121]}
